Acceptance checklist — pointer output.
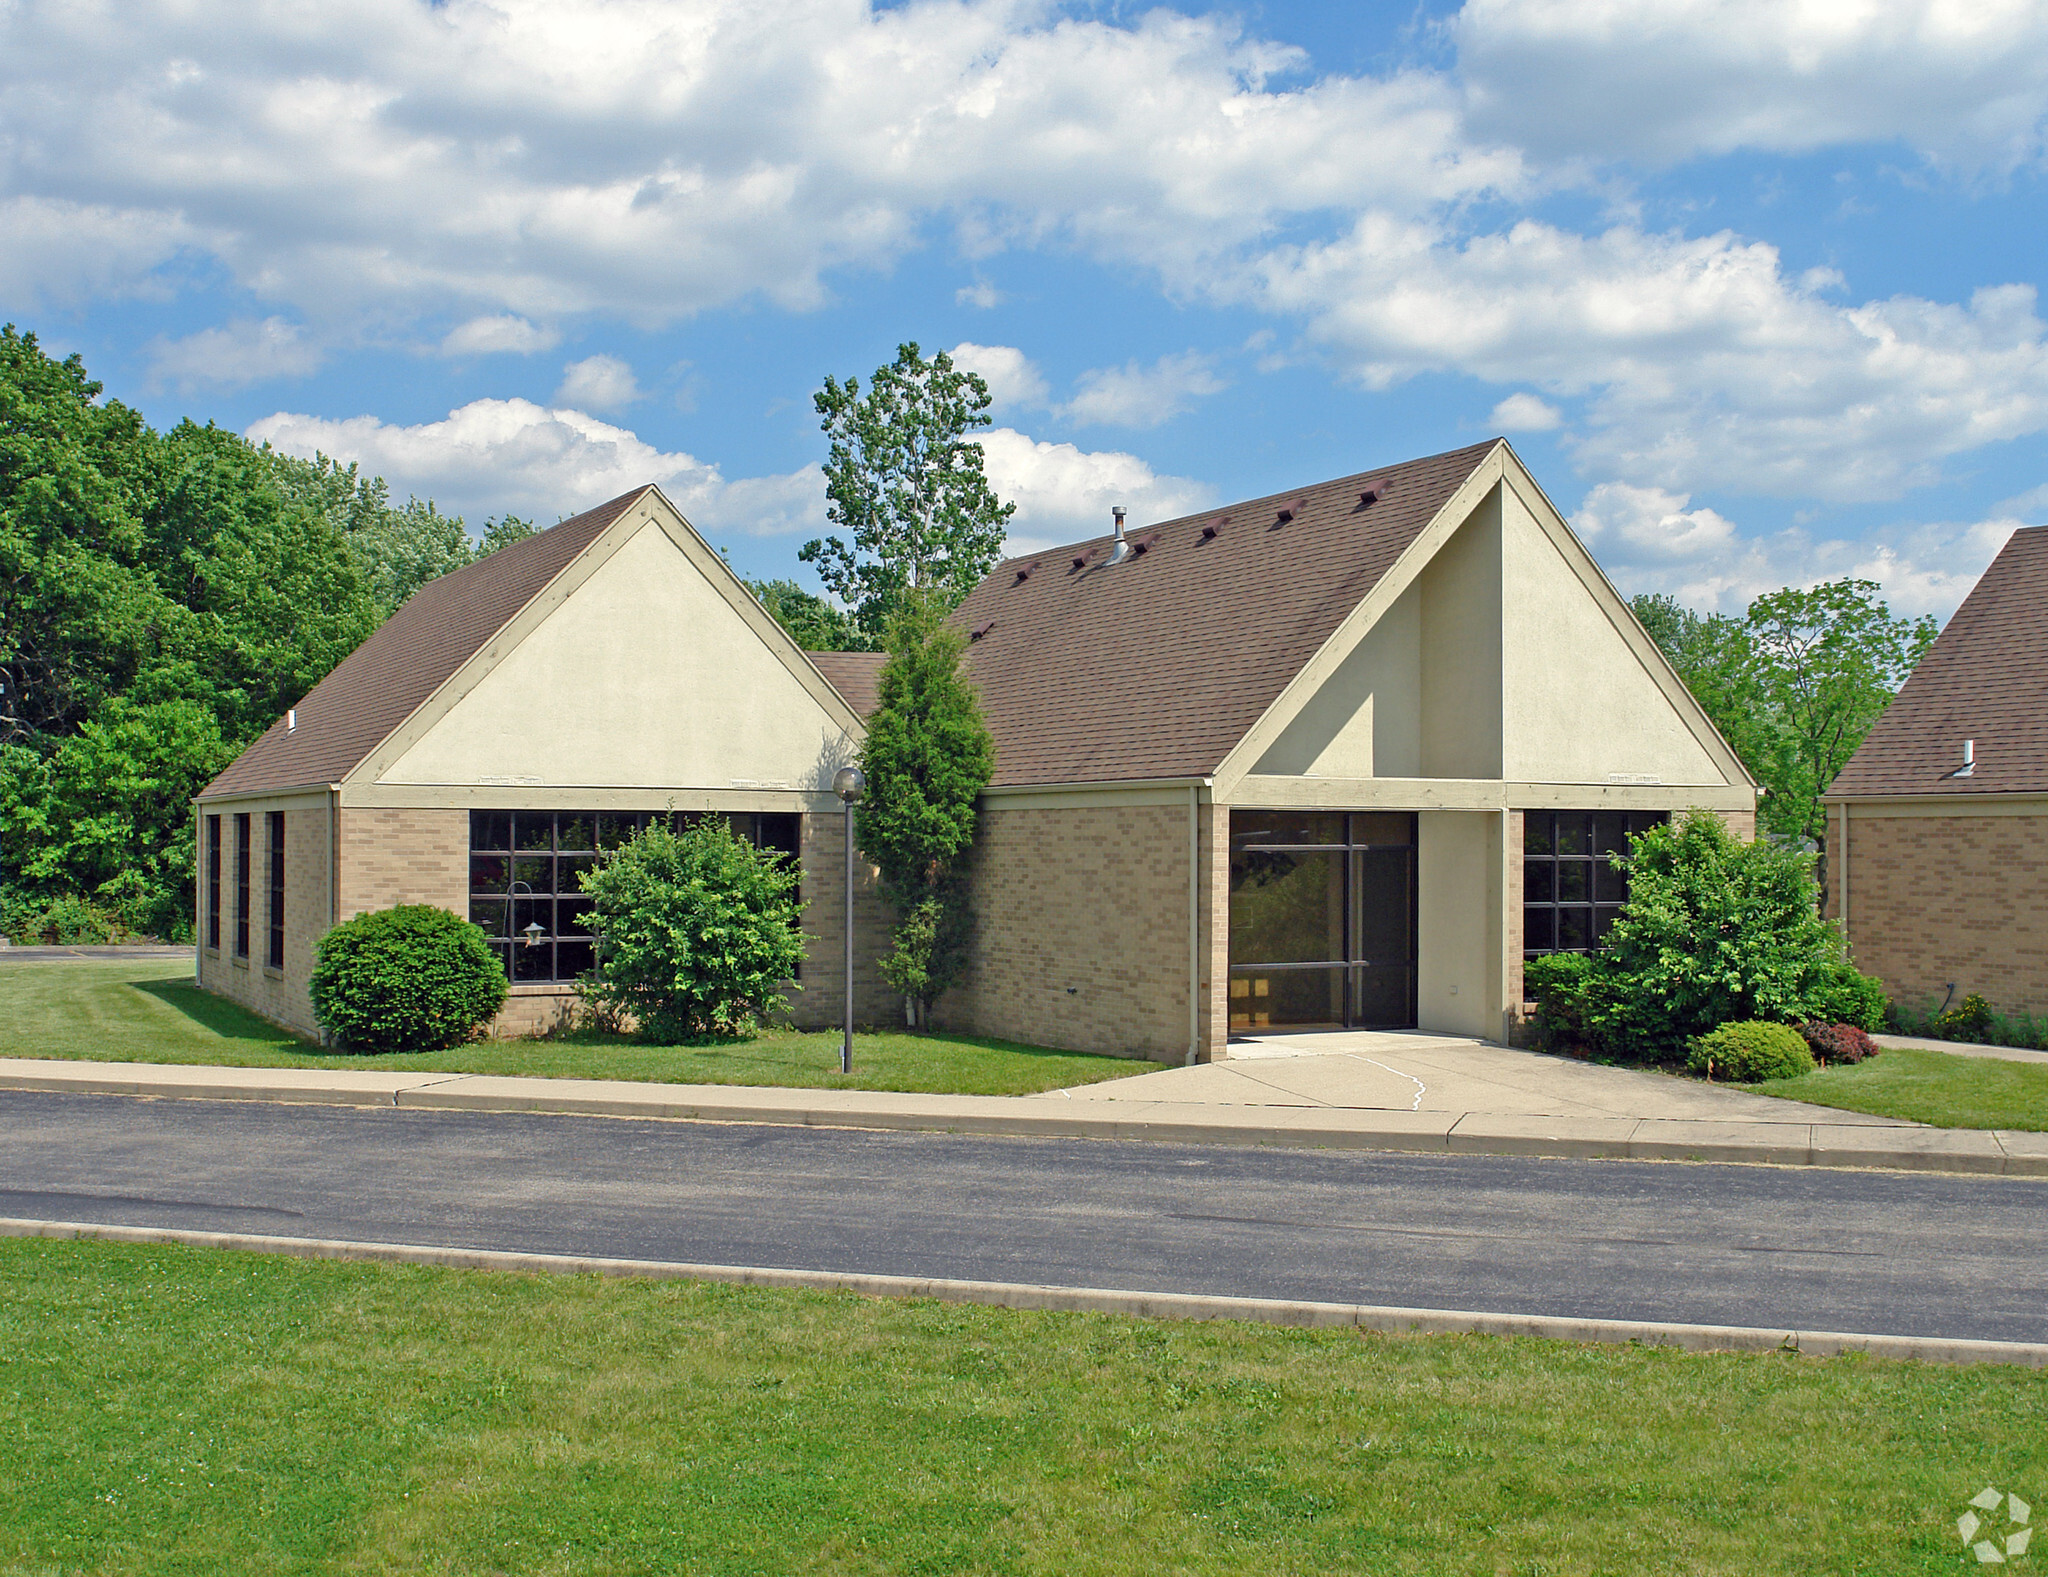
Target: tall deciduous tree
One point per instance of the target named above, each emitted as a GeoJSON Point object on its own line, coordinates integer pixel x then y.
{"type": "Point", "coordinates": [927, 757]}
{"type": "Point", "coordinates": [812, 622]}
{"type": "Point", "coordinates": [1794, 684]}
{"type": "Point", "coordinates": [906, 480]}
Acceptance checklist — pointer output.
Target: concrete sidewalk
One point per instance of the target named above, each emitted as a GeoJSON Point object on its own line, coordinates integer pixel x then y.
{"type": "Point", "coordinates": [1774, 1133]}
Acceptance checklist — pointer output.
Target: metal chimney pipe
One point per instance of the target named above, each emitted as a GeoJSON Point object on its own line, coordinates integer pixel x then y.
{"type": "Point", "coordinates": [1969, 766]}
{"type": "Point", "coordinates": [1122, 550]}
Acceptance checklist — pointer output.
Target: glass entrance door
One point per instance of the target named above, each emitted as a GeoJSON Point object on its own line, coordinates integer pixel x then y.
{"type": "Point", "coordinates": [1322, 920]}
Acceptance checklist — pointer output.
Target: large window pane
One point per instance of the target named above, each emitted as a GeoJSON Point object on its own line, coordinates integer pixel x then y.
{"type": "Point", "coordinates": [1249, 828]}
{"type": "Point", "coordinates": [533, 830]}
{"type": "Point", "coordinates": [491, 914]}
{"type": "Point", "coordinates": [1286, 907]}
{"type": "Point", "coordinates": [1574, 832]}
{"type": "Point", "coordinates": [1382, 997]}
{"type": "Point", "coordinates": [490, 829]}
{"type": "Point", "coordinates": [1386, 902]}
{"type": "Point", "coordinates": [488, 873]}
{"type": "Point", "coordinates": [576, 830]}
{"type": "Point", "coordinates": [1574, 929]}
{"type": "Point", "coordinates": [533, 963]}
{"type": "Point", "coordinates": [1539, 930]}
{"type": "Point", "coordinates": [1539, 881]}
{"type": "Point", "coordinates": [534, 871]}
{"type": "Point", "coordinates": [1383, 827]}
{"type": "Point", "coordinates": [1574, 881]}
{"type": "Point", "coordinates": [1287, 999]}
{"type": "Point", "coordinates": [1539, 832]}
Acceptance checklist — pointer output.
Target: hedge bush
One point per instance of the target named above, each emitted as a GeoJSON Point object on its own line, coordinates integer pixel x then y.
{"type": "Point", "coordinates": [696, 933]}
{"type": "Point", "coordinates": [413, 978]}
{"type": "Point", "coordinates": [1838, 1043]}
{"type": "Point", "coordinates": [1968, 1020]}
{"type": "Point", "coordinates": [1749, 1053]}
{"type": "Point", "coordinates": [66, 922]}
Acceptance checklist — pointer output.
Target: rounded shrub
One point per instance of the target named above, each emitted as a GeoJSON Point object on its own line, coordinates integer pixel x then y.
{"type": "Point", "coordinates": [1751, 1052]}
{"type": "Point", "coordinates": [413, 978]}
{"type": "Point", "coordinates": [1839, 1042]}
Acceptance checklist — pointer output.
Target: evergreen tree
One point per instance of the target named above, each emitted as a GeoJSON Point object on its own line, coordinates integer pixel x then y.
{"type": "Point", "coordinates": [927, 757]}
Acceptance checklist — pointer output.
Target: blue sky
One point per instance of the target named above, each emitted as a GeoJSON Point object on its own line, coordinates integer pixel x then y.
{"type": "Point", "coordinates": [1751, 284]}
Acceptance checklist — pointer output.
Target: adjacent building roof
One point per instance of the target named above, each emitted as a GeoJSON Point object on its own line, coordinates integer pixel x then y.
{"type": "Point", "coordinates": [857, 676]}
{"type": "Point", "coordinates": [1157, 667]}
{"type": "Point", "coordinates": [412, 654]}
{"type": "Point", "coordinates": [1985, 680]}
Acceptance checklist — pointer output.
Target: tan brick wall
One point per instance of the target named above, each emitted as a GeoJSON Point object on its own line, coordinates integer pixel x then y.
{"type": "Point", "coordinates": [1081, 937]}
{"type": "Point", "coordinates": [279, 995]}
{"type": "Point", "coordinates": [390, 857]}
{"type": "Point", "coordinates": [1951, 898]}
{"type": "Point", "coordinates": [821, 1003]}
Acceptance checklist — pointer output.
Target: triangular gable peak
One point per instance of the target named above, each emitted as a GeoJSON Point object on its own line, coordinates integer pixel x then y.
{"type": "Point", "coordinates": [1493, 650]}
{"type": "Point", "coordinates": [615, 648]}
{"type": "Point", "coordinates": [646, 664]}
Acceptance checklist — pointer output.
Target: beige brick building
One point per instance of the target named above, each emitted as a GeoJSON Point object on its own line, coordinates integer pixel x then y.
{"type": "Point", "coordinates": [1938, 826]}
{"type": "Point", "coordinates": [1343, 756]}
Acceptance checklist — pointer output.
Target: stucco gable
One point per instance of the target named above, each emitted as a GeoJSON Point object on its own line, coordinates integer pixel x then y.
{"type": "Point", "coordinates": [1494, 650]}
{"type": "Point", "coordinates": [650, 667]}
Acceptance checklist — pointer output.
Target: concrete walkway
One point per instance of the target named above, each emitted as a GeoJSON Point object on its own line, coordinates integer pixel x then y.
{"type": "Point", "coordinates": [1747, 1128]}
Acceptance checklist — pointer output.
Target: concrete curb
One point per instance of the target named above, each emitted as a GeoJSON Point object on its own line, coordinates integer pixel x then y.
{"type": "Point", "coordinates": [1091, 1300]}
{"type": "Point", "coordinates": [1847, 1144]}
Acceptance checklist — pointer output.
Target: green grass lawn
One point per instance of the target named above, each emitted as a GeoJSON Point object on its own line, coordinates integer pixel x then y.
{"type": "Point", "coordinates": [172, 1410]}
{"type": "Point", "coordinates": [142, 1012]}
{"type": "Point", "coordinates": [1929, 1087]}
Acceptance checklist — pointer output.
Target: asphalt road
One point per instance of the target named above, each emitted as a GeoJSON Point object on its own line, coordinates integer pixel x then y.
{"type": "Point", "coordinates": [1811, 1249]}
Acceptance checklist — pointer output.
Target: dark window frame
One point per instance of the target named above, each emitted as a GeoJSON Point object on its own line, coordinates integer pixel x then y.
{"type": "Point", "coordinates": [1350, 835]}
{"type": "Point", "coordinates": [213, 883]}
{"type": "Point", "coordinates": [499, 866]}
{"type": "Point", "coordinates": [274, 841]}
{"type": "Point", "coordinates": [242, 884]}
{"type": "Point", "coordinates": [1575, 875]}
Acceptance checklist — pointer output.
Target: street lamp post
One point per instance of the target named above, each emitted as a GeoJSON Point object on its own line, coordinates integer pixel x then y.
{"type": "Point", "coordinates": [850, 784]}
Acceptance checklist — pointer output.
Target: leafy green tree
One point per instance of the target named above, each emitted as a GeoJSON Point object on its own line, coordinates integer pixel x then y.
{"type": "Point", "coordinates": [1828, 661]}
{"type": "Point", "coordinates": [79, 610]}
{"type": "Point", "coordinates": [905, 479]}
{"type": "Point", "coordinates": [927, 757]}
{"type": "Point", "coordinates": [1793, 685]}
{"type": "Point", "coordinates": [397, 550]}
{"type": "Point", "coordinates": [161, 602]}
{"type": "Point", "coordinates": [697, 932]}
{"type": "Point", "coordinates": [812, 622]}
{"type": "Point", "coordinates": [503, 533]}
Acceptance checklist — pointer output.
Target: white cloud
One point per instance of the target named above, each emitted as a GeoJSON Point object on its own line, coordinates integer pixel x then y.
{"type": "Point", "coordinates": [598, 383]}
{"type": "Point", "coordinates": [1525, 413]}
{"type": "Point", "coordinates": [1012, 379]}
{"type": "Point", "coordinates": [578, 155]}
{"type": "Point", "coordinates": [1648, 540]}
{"type": "Point", "coordinates": [1064, 493]}
{"type": "Point", "coordinates": [1961, 80]}
{"type": "Point", "coordinates": [979, 294]}
{"type": "Point", "coordinates": [233, 356]}
{"type": "Point", "coordinates": [1707, 365]}
{"type": "Point", "coordinates": [60, 251]}
{"type": "Point", "coordinates": [498, 456]}
{"type": "Point", "coordinates": [1135, 396]}
{"type": "Point", "coordinates": [499, 334]}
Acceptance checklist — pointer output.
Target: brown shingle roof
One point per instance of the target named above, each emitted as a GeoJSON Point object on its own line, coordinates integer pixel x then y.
{"type": "Point", "coordinates": [857, 676]}
{"type": "Point", "coordinates": [1158, 667]}
{"type": "Point", "coordinates": [1985, 679]}
{"type": "Point", "coordinates": [382, 682]}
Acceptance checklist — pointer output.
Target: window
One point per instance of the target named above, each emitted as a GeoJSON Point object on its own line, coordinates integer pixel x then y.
{"type": "Point", "coordinates": [1575, 875]}
{"type": "Point", "coordinates": [1322, 919]}
{"type": "Point", "coordinates": [242, 884]}
{"type": "Point", "coordinates": [213, 883]}
{"type": "Point", "coordinates": [525, 870]}
{"type": "Point", "coordinates": [275, 956]}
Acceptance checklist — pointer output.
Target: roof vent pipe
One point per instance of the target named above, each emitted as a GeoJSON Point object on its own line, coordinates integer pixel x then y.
{"type": "Point", "coordinates": [1969, 766]}
{"type": "Point", "coordinates": [291, 720]}
{"type": "Point", "coordinates": [1122, 549]}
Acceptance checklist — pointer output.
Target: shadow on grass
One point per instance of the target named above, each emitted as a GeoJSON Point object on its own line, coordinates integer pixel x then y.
{"type": "Point", "coordinates": [216, 1014]}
